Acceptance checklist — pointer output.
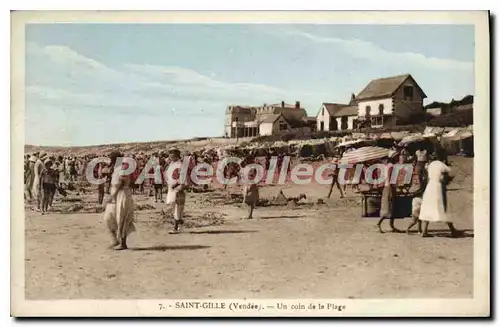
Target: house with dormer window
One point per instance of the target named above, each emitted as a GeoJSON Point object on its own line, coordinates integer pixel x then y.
{"type": "Point", "coordinates": [389, 100]}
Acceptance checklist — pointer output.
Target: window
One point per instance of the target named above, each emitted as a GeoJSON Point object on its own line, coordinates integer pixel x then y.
{"type": "Point", "coordinates": [354, 124]}
{"type": "Point", "coordinates": [408, 92]}
{"type": "Point", "coordinates": [333, 124]}
{"type": "Point", "coordinates": [377, 121]}
{"type": "Point", "coordinates": [283, 126]}
{"type": "Point", "coordinates": [368, 109]}
{"type": "Point", "coordinates": [343, 123]}
{"type": "Point", "coordinates": [381, 109]}
{"type": "Point", "coordinates": [323, 112]}
{"type": "Point", "coordinates": [322, 126]}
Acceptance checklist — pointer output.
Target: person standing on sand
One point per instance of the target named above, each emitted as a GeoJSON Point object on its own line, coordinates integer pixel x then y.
{"type": "Point", "coordinates": [99, 173]}
{"type": "Point", "coordinates": [49, 184]}
{"type": "Point", "coordinates": [434, 204]}
{"type": "Point", "coordinates": [388, 196]}
{"type": "Point", "coordinates": [158, 184]}
{"type": "Point", "coordinates": [30, 177]}
{"type": "Point", "coordinates": [251, 193]}
{"type": "Point", "coordinates": [176, 196]}
{"type": "Point", "coordinates": [421, 161]}
{"type": "Point", "coordinates": [120, 219]}
{"type": "Point", "coordinates": [335, 179]}
{"type": "Point", "coordinates": [37, 183]}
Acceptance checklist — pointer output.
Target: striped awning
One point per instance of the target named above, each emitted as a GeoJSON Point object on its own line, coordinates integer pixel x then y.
{"type": "Point", "coordinates": [367, 153]}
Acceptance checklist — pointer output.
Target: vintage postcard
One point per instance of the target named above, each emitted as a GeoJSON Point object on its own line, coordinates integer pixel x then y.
{"type": "Point", "coordinates": [250, 164]}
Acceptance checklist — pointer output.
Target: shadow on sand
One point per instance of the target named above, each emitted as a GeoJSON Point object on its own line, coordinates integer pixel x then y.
{"type": "Point", "coordinates": [222, 232]}
{"type": "Point", "coordinates": [465, 233]}
{"type": "Point", "coordinates": [280, 217]}
{"type": "Point", "coordinates": [171, 247]}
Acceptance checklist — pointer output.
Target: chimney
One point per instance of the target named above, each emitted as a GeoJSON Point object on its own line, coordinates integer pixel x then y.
{"type": "Point", "coordinates": [353, 97]}
{"type": "Point", "coordinates": [282, 104]}
{"type": "Point", "coordinates": [297, 104]}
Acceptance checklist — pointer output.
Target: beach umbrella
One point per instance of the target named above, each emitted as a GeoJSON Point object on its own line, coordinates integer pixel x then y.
{"type": "Point", "coordinates": [411, 139]}
{"type": "Point", "coordinates": [367, 153]}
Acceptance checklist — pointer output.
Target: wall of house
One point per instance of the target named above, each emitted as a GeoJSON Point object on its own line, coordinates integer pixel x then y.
{"type": "Point", "coordinates": [403, 110]}
{"type": "Point", "coordinates": [350, 122]}
{"type": "Point", "coordinates": [404, 107]}
{"type": "Point", "coordinates": [374, 104]}
{"type": "Point", "coordinates": [323, 116]}
{"type": "Point", "coordinates": [266, 129]}
{"type": "Point", "coordinates": [273, 128]}
{"type": "Point", "coordinates": [234, 113]}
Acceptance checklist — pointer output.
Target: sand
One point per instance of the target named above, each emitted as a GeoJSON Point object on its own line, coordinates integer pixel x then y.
{"type": "Point", "coordinates": [304, 251]}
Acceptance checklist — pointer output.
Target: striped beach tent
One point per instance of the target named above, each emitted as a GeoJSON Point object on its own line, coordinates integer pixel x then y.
{"type": "Point", "coordinates": [364, 154]}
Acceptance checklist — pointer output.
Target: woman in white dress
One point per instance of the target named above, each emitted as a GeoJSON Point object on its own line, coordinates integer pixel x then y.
{"type": "Point", "coordinates": [119, 214]}
{"type": "Point", "coordinates": [433, 207]}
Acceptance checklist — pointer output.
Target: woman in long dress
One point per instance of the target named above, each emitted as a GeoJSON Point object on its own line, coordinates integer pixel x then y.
{"type": "Point", "coordinates": [30, 178]}
{"type": "Point", "coordinates": [433, 207]}
{"type": "Point", "coordinates": [37, 183]}
{"type": "Point", "coordinates": [119, 214]}
{"type": "Point", "coordinates": [388, 196]}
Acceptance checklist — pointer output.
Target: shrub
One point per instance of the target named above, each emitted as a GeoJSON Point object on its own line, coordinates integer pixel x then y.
{"type": "Point", "coordinates": [461, 118]}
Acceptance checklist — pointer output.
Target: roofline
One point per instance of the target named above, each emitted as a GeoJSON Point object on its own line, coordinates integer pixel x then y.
{"type": "Point", "coordinates": [322, 106]}
{"type": "Point", "coordinates": [424, 96]}
{"type": "Point", "coordinates": [349, 115]}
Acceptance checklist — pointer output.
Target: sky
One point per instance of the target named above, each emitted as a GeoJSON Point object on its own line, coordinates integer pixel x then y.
{"type": "Point", "coordinates": [90, 84]}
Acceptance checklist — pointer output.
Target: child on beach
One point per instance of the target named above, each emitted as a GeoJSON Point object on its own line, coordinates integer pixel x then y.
{"type": "Point", "coordinates": [251, 193]}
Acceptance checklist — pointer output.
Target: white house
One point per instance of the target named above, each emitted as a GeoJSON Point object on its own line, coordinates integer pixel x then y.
{"type": "Point", "coordinates": [347, 118]}
{"type": "Point", "coordinates": [325, 119]}
{"type": "Point", "coordinates": [273, 124]}
{"type": "Point", "coordinates": [337, 116]}
{"type": "Point", "coordinates": [390, 100]}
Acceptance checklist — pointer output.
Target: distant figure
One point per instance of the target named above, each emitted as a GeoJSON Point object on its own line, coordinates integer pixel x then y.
{"type": "Point", "coordinates": [176, 196]}
{"type": "Point", "coordinates": [49, 183]}
{"type": "Point", "coordinates": [100, 174]}
{"type": "Point", "coordinates": [421, 161]}
{"type": "Point", "coordinates": [335, 180]}
{"type": "Point", "coordinates": [37, 183]}
{"type": "Point", "coordinates": [251, 194]}
{"type": "Point", "coordinates": [388, 196]}
{"type": "Point", "coordinates": [30, 177]}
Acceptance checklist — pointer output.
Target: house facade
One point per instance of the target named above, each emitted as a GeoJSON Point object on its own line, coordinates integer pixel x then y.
{"type": "Point", "coordinates": [247, 121]}
{"type": "Point", "coordinates": [274, 124]}
{"type": "Point", "coordinates": [337, 116]}
{"type": "Point", "coordinates": [347, 118]}
{"type": "Point", "coordinates": [325, 119]}
{"type": "Point", "coordinates": [389, 101]}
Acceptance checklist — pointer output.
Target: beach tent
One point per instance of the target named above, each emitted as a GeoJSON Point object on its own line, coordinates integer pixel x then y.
{"type": "Point", "coordinates": [364, 154]}
{"type": "Point", "coordinates": [461, 140]}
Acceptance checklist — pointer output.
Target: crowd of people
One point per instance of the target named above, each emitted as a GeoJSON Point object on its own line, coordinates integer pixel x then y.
{"type": "Point", "coordinates": [45, 175]}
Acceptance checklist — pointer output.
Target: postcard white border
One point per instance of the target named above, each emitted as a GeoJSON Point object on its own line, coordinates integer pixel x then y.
{"type": "Point", "coordinates": [477, 306]}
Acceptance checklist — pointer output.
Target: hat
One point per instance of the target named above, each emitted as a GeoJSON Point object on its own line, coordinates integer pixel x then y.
{"type": "Point", "coordinates": [33, 158]}
{"type": "Point", "coordinates": [174, 151]}
{"type": "Point", "coordinates": [115, 154]}
{"type": "Point", "coordinates": [43, 155]}
{"type": "Point", "coordinates": [48, 161]}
